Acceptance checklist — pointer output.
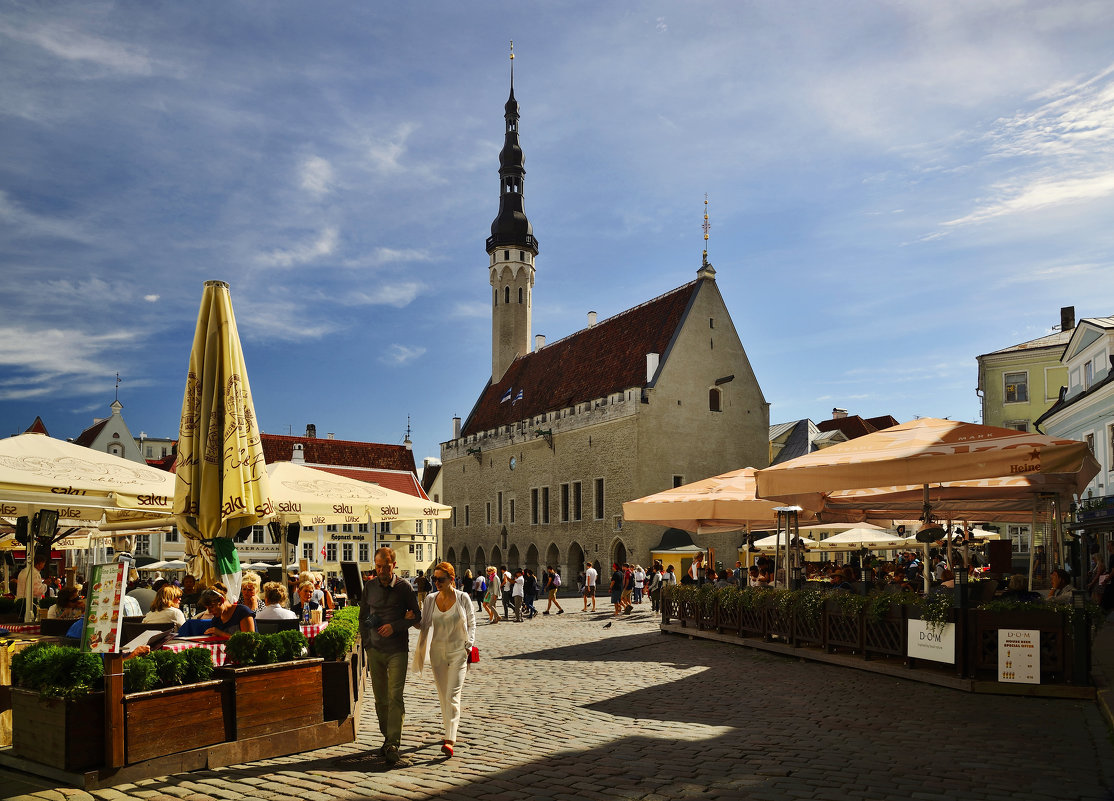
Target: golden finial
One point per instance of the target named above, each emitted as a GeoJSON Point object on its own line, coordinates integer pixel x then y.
{"type": "Point", "coordinates": [707, 227]}
{"type": "Point", "coordinates": [512, 49]}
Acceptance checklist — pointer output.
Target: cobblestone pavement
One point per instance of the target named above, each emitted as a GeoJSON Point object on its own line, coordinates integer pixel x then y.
{"type": "Point", "coordinates": [561, 707]}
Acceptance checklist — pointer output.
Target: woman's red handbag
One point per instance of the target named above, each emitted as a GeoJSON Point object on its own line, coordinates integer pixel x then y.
{"type": "Point", "coordinates": [473, 655]}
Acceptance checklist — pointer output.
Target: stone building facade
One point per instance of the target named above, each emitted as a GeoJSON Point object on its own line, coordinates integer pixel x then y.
{"type": "Point", "coordinates": [657, 396]}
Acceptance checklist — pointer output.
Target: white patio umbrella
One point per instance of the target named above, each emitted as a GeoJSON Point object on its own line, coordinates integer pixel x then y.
{"type": "Point", "coordinates": [865, 538]}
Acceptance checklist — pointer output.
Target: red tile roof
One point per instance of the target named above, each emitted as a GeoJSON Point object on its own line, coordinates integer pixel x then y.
{"type": "Point", "coordinates": [854, 426]}
{"type": "Point", "coordinates": [86, 437]}
{"type": "Point", "coordinates": [339, 452]}
{"type": "Point", "coordinates": [397, 480]}
{"type": "Point", "coordinates": [592, 363]}
{"type": "Point", "coordinates": [37, 427]}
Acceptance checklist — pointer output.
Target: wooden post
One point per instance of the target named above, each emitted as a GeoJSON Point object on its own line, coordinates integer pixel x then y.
{"type": "Point", "coordinates": [114, 710]}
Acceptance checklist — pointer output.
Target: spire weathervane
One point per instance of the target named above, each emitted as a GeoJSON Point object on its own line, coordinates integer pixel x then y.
{"type": "Point", "coordinates": [512, 64]}
{"type": "Point", "coordinates": [707, 227]}
{"type": "Point", "coordinates": [117, 386]}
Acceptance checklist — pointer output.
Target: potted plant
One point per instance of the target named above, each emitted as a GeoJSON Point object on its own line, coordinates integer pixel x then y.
{"type": "Point", "coordinates": [341, 666]}
{"type": "Point", "coordinates": [274, 689]}
{"type": "Point", "coordinates": [58, 707]}
{"type": "Point", "coordinates": [173, 704]}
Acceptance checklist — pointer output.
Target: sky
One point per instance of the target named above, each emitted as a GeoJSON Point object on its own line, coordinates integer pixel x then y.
{"type": "Point", "coordinates": [893, 189]}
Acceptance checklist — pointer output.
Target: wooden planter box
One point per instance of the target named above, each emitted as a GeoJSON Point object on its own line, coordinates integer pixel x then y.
{"type": "Point", "coordinates": [808, 629]}
{"type": "Point", "coordinates": [63, 734]}
{"type": "Point", "coordinates": [888, 636]}
{"type": "Point", "coordinates": [175, 719]}
{"type": "Point", "coordinates": [728, 620]}
{"type": "Point", "coordinates": [753, 622]}
{"type": "Point", "coordinates": [844, 631]}
{"type": "Point", "coordinates": [706, 618]}
{"type": "Point", "coordinates": [1055, 640]}
{"type": "Point", "coordinates": [779, 624]}
{"type": "Point", "coordinates": [339, 694]}
{"type": "Point", "coordinates": [688, 612]}
{"type": "Point", "coordinates": [272, 699]}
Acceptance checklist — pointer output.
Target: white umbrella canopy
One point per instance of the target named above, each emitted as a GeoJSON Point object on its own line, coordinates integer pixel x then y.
{"type": "Point", "coordinates": [928, 451]}
{"type": "Point", "coordinates": [40, 472]}
{"type": "Point", "coordinates": [778, 541]}
{"type": "Point", "coordinates": [872, 537]}
{"type": "Point", "coordinates": [315, 497]}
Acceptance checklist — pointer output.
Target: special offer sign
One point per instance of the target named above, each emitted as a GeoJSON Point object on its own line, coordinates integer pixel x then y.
{"type": "Point", "coordinates": [1019, 655]}
{"type": "Point", "coordinates": [104, 607]}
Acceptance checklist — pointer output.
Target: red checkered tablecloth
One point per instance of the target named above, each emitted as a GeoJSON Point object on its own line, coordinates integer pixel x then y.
{"type": "Point", "coordinates": [312, 630]}
{"type": "Point", "coordinates": [25, 628]}
{"type": "Point", "coordinates": [216, 649]}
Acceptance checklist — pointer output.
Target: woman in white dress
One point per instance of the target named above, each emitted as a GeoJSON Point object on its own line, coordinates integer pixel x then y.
{"type": "Point", "coordinates": [448, 631]}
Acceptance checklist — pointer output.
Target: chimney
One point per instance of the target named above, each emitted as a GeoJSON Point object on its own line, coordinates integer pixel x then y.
{"type": "Point", "coordinates": [330, 435]}
{"type": "Point", "coordinates": [456, 428]}
{"type": "Point", "coordinates": [298, 456]}
{"type": "Point", "coordinates": [539, 342]}
{"type": "Point", "coordinates": [1067, 318]}
{"type": "Point", "coordinates": [838, 414]}
{"type": "Point", "coordinates": [651, 366]}
{"type": "Point", "coordinates": [591, 319]}
{"type": "Point", "coordinates": [311, 431]}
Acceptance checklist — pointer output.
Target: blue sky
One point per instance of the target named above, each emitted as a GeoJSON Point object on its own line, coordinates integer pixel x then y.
{"type": "Point", "coordinates": [894, 189]}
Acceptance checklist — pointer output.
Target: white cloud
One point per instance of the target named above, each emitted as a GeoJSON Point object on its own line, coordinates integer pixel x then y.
{"type": "Point", "coordinates": [398, 295]}
{"type": "Point", "coordinates": [72, 45]}
{"type": "Point", "coordinates": [317, 176]}
{"type": "Point", "coordinates": [383, 255]}
{"type": "Point", "coordinates": [401, 354]}
{"type": "Point", "coordinates": [323, 245]}
{"type": "Point", "coordinates": [31, 224]}
{"type": "Point", "coordinates": [1041, 194]}
{"type": "Point", "coordinates": [56, 360]}
{"type": "Point", "coordinates": [384, 154]}
{"type": "Point", "coordinates": [151, 298]}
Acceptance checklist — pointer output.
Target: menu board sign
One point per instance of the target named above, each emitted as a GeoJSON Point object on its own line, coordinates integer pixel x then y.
{"type": "Point", "coordinates": [1019, 657]}
{"type": "Point", "coordinates": [104, 608]}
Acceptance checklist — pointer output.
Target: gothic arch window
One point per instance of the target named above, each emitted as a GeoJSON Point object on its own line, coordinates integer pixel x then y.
{"type": "Point", "coordinates": [715, 400]}
{"type": "Point", "coordinates": [506, 294]}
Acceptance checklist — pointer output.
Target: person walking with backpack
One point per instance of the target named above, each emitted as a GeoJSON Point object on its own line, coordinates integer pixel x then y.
{"type": "Point", "coordinates": [552, 582]}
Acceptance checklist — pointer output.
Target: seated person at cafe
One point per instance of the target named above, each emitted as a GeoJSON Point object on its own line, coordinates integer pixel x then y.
{"type": "Point", "coordinates": [228, 617]}
{"type": "Point", "coordinates": [249, 592]}
{"type": "Point", "coordinates": [275, 596]}
{"type": "Point", "coordinates": [1018, 590]}
{"type": "Point", "coordinates": [306, 602]}
{"type": "Point", "coordinates": [69, 606]}
{"type": "Point", "coordinates": [165, 607]}
{"type": "Point", "coordinates": [1060, 591]}
{"type": "Point", "coordinates": [190, 591]}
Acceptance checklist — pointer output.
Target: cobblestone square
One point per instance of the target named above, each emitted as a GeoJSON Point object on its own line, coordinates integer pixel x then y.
{"type": "Point", "coordinates": [562, 708]}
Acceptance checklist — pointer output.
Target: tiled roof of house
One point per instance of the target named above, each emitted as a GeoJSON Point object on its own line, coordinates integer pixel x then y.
{"type": "Point", "coordinates": [852, 426]}
{"type": "Point", "coordinates": [1057, 339]}
{"type": "Point", "coordinates": [398, 480]}
{"type": "Point", "coordinates": [796, 444]}
{"type": "Point", "coordinates": [338, 452]}
{"type": "Point", "coordinates": [37, 427]}
{"type": "Point", "coordinates": [429, 475]}
{"type": "Point", "coordinates": [882, 421]}
{"type": "Point", "coordinates": [592, 363]}
{"type": "Point", "coordinates": [85, 438]}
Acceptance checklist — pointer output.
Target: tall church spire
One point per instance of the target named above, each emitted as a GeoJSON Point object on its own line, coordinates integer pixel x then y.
{"type": "Point", "coordinates": [511, 249]}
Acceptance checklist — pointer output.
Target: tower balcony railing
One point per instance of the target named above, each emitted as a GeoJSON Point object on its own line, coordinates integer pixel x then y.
{"type": "Point", "coordinates": [499, 242]}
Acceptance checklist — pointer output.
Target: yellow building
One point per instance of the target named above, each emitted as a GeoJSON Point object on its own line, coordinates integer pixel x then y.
{"type": "Point", "coordinates": [1020, 383]}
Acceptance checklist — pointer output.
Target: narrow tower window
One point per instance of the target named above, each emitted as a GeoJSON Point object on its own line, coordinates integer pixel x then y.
{"type": "Point", "coordinates": [520, 294]}
{"type": "Point", "coordinates": [506, 255]}
{"type": "Point", "coordinates": [506, 294]}
{"type": "Point", "coordinates": [714, 400]}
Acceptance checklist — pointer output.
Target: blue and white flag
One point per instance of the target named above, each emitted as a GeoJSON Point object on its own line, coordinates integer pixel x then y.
{"type": "Point", "coordinates": [506, 396]}
{"type": "Point", "coordinates": [517, 397]}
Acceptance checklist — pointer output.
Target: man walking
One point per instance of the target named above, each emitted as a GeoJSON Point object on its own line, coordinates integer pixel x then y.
{"type": "Point", "coordinates": [590, 576]}
{"type": "Point", "coordinates": [507, 587]}
{"type": "Point", "coordinates": [518, 592]}
{"type": "Point", "coordinates": [552, 582]}
{"type": "Point", "coordinates": [388, 609]}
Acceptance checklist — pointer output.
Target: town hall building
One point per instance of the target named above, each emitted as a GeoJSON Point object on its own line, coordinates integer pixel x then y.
{"type": "Point", "coordinates": [563, 433]}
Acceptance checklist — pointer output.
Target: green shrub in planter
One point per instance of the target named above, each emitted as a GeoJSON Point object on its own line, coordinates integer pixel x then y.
{"type": "Point", "coordinates": [348, 613]}
{"type": "Point", "coordinates": [199, 665]}
{"type": "Point", "coordinates": [245, 648]}
{"type": "Point", "coordinates": [333, 643]}
{"type": "Point", "coordinates": [57, 671]}
{"type": "Point", "coordinates": [170, 667]}
{"type": "Point", "coordinates": [140, 674]}
{"type": "Point", "coordinates": [288, 645]}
